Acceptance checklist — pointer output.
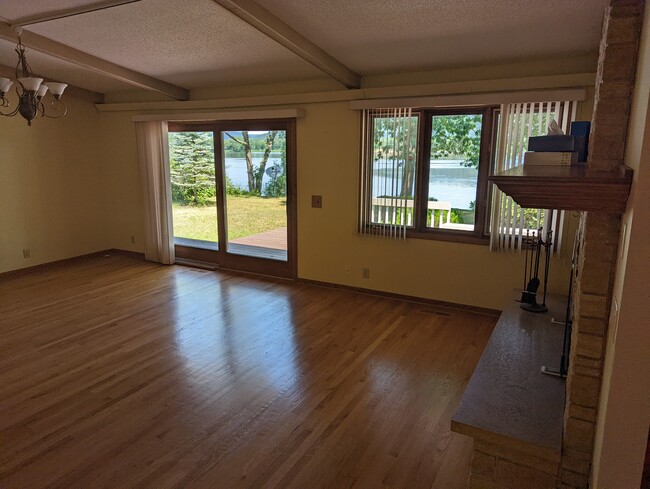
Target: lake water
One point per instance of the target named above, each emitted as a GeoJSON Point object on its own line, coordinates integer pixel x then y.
{"type": "Point", "coordinates": [449, 181]}
{"type": "Point", "coordinates": [236, 168]}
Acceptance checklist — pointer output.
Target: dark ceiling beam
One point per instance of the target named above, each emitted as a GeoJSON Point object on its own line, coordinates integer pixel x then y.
{"type": "Point", "coordinates": [69, 12]}
{"type": "Point", "coordinates": [267, 23]}
{"type": "Point", "coordinates": [79, 58]}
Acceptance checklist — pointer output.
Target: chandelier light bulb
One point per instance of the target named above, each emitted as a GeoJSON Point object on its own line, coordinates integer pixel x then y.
{"type": "Point", "coordinates": [42, 90]}
{"type": "Point", "coordinates": [5, 85]}
{"type": "Point", "coordinates": [31, 84]}
{"type": "Point", "coordinates": [56, 88]}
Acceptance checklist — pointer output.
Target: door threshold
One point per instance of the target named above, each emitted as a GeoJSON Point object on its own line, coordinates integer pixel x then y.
{"type": "Point", "coordinates": [204, 265]}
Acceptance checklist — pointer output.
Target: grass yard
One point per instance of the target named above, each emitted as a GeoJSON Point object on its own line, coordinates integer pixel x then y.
{"type": "Point", "coordinates": [246, 215]}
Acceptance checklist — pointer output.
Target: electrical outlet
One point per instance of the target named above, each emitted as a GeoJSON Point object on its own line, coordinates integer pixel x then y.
{"type": "Point", "coordinates": [317, 201]}
{"type": "Point", "coordinates": [348, 269]}
{"type": "Point", "coordinates": [365, 272]}
{"type": "Point", "coordinates": [132, 239]}
{"type": "Point", "coordinates": [27, 253]}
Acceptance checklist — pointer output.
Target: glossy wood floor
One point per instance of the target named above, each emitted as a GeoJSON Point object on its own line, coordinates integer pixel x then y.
{"type": "Point", "coordinates": [115, 373]}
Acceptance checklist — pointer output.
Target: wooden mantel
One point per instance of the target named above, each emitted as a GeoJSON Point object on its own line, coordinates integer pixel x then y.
{"type": "Point", "coordinates": [573, 188]}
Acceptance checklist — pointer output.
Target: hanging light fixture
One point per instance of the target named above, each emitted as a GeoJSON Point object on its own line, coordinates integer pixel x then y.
{"type": "Point", "coordinates": [30, 91]}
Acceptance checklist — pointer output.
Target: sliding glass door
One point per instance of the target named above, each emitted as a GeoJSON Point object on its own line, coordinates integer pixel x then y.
{"type": "Point", "coordinates": [194, 191]}
{"type": "Point", "coordinates": [256, 192]}
{"type": "Point", "coordinates": [232, 192]}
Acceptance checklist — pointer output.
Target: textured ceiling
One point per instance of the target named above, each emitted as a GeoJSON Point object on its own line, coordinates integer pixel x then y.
{"type": "Point", "coordinates": [15, 9]}
{"type": "Point", "coordinates": [196, 43]}
{"type": "Point", "coordinates": [378, 36]}
{"type": "Point", "coordinates": [56, 70]}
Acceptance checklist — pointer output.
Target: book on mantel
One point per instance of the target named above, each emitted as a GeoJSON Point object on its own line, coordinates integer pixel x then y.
{"type": "Point", "coordinates": [555, 158]}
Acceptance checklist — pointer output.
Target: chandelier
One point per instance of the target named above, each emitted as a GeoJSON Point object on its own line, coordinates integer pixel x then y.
{"type": "Point", "coordinates": [30, 91]}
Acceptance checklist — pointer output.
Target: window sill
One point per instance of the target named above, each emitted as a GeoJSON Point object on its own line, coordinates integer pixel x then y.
{"type": "Point", "coordinates": [438, 234]}
{"type": "Point", "coordinates": [453, 236]}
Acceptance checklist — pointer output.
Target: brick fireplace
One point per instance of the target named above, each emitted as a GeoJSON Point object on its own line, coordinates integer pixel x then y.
{"type": "Point", "coordinates": [599, 236]}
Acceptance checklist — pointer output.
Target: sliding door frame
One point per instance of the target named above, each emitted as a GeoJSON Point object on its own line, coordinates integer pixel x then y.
{"type": "Point", "coordinates": [221, 258]}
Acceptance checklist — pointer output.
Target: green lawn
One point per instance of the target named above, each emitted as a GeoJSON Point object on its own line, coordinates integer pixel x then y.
{"type": "Point", "coordinates": [246, 215]}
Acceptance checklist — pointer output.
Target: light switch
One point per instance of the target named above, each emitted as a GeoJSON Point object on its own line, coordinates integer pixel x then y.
{"type": "Point", "coordinates": [317, 201]}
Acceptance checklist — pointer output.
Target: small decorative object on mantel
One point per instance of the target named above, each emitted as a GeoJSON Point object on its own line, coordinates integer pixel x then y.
{"type": "Point", "coordinates": [534, 245]}
{"type": "Point", "coordinates": [554, 149]}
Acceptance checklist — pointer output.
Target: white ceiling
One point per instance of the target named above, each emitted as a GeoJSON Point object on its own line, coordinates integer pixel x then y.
{"type": "Point", "coordinates": [197, 43]}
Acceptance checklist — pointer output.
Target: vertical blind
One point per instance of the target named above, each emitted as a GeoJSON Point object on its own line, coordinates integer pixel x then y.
{"type": "Point", "coordinates": [517, 122]}
{"type": "Point", "coordinates": [387, 137]}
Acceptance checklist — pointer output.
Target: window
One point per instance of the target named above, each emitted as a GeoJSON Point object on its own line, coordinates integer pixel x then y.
{"type": "Point", "coordinates": [517, 122]}
{"type": "Point", "coordinates": [426, 171]}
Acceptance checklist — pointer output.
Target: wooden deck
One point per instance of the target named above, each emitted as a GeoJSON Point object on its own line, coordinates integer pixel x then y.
{"type": "Point", "coordinates": [118, 373]}
{"type": "Point", "coordinates": [276, 239]}
{"type": "Point", "coordinates": [271, 245]}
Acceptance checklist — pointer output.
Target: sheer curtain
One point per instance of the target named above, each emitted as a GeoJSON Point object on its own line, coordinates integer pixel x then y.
{"type": "Point", "coordinates": [517, 122]}
{"type": "Point", "coordinates": [153, 158]}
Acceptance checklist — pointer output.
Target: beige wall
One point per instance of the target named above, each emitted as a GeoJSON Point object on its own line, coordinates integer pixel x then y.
{"type": "Point", "coordinates": [51, 187]}
{"type": "Point", "coordinates": [95, 204]}
{"type": "Point", "coordinates": [122, 180]}
{"type": "Point", "coordinates": [624, 411]}
{"type": "Point", "coordinates": [328, 154]}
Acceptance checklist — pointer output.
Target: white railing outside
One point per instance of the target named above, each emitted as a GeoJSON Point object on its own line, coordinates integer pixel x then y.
{"type": "Point", "coordinates": [385, 210]}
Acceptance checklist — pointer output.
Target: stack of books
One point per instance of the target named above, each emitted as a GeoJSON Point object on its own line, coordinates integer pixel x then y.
{"type": "Point", "coordinates": [547, 158]}
{"type": "Point", "coordinates": [552, 151]}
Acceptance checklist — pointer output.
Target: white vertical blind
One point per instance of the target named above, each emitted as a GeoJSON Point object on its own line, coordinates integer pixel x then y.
{"type": "Point", "coordinates": [509, 221]}
{"type": "Point", "coordinates": [387, 137]}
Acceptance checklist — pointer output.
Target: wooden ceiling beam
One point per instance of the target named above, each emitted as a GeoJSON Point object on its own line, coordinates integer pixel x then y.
{"type": "Point", "coordinates": [267, 23]}
{"type": "Point", "coordinates": [69, 12]}
{"type": "Point", "coordinates": [112, 70]}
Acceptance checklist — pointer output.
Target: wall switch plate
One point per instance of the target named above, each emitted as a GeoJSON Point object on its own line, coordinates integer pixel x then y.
{"type": "Point", "coordinates": [317, 201]}
{"type": "Point", "coordinates": [365, 272]}
{"type": "Point", "coordinates": [27, 253]}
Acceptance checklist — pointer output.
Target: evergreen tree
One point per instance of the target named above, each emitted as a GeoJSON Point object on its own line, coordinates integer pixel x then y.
{"type": "Point", "coordinates": [191, 160]}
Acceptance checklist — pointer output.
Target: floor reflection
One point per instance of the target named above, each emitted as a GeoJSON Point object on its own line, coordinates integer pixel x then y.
{"type": "Point", "coordinates": [219, 337]}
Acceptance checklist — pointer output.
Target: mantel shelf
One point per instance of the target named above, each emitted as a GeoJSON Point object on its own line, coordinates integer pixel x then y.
{"type": "Point", "coordinates": [573, 188]}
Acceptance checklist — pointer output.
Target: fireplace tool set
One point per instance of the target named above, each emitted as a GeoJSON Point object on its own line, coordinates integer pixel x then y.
{"type": "Point", "coordinates": [534, 245]}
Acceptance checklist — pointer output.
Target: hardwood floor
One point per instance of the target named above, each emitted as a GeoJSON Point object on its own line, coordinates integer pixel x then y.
{"type": "Point", "coordinates": [115, 373]}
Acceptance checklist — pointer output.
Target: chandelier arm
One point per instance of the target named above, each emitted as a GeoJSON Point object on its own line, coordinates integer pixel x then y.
{"type": "Point", "coordinates": [58, 105]}
{"type": "Point", "coordinates": [22, 65]}
{"type": "Point", "coordinates": [9, 114]}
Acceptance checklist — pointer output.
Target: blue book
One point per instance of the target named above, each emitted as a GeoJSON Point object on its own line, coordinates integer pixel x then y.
{"type": "Point", "coordinates": [552, 143]}
{"type": "Point", "coordinates": [580, 129]}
